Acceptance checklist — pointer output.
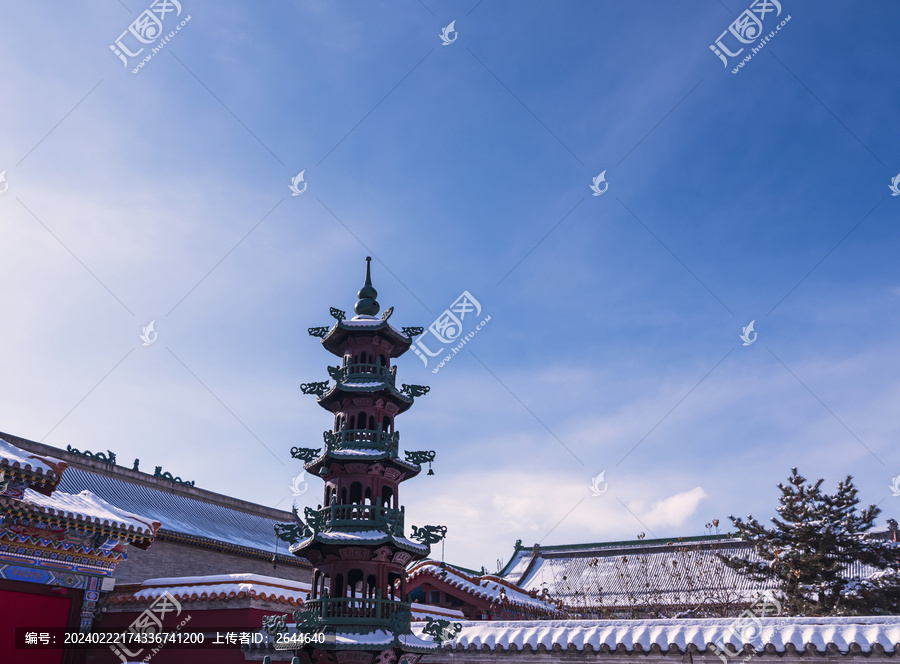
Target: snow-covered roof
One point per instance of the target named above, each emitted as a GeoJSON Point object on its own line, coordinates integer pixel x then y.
{"type": "Point", "coordinates": [368, 386]}
{"type": "Point", "coordinates": [424, 611]}
{"type": "Point", "coordinates": [677, 636]}
{"type": "Point", "coordinates": [237, 586]}
{"type": "Point", "coordinates": [88, 508]}
{"type": "Point", "coordinates": [360, 536]}
{"type": "Point", "coordinates": [192, 518]}
{"type": "Point", "coordinates": [489, 587]}
{"type": "Point", "coordinates": [369, 321]}
{"type": "Point", "coordinates": [15, 457]}
{"type": "Point", "coordinates": [217, 587]}
{"type": "Point", "coordinates": [614, 576]}
{"type": "Point", "coordinates": [362, 453]}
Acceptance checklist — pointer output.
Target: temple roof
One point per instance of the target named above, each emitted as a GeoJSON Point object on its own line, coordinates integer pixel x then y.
{"type": "Point", "coordinates": [612, 575]}
{"type": "Point", "coordinates": [349, 455]}
{"type": "Point", "coordinates": [87, 508]}
{"type": "Point", "coordinates": [187, 514]}
{"type": "Point", "coordinates": [368, 537]}
{"type": "Point", "coordinates": [350, 389]}
{"type": "Point", "coordinates": [39, 472]}
{"type": "Point", "coordinates": [623, 637]}
{"type": "Point", "coordinates": [183, 517]}
{"type": "Point", "coordinates": [337, 335]}
{"type": "Point", "coordinates": [366, 321]}
{"type": "Point", "coordinates": [225, 587]}
{"type": "Point", "coordinates": [217, 587]}
{"type": "Point", "coordinates": [489, 587]}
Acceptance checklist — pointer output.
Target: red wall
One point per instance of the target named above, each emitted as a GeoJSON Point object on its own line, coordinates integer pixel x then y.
{"type": "Point", "coordinates": [20, 609]}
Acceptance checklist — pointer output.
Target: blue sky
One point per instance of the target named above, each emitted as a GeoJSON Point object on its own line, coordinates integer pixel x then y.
{"type": "Point", "coordinates": [613, 343]}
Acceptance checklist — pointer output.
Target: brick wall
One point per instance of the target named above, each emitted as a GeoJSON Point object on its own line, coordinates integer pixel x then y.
{"type": "Point", "coordinates": [168, 559]}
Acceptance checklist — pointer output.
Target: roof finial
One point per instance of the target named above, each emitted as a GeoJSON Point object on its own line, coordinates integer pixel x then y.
{"type": "Point", "coordinates": [367, 306]}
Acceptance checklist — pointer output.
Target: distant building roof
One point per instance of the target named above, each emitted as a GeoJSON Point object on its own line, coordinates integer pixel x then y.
{"type": "Point", "coordinates": [440, 586]}
{"type": "Point", "coordinates": [679, 576]}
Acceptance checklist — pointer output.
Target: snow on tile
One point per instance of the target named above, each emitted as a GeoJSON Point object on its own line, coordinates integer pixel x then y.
{"type": "Point", "coordinates": [15, 457]}
{"type": "Point", "coordinates": [370, 321]}
{"type": "Point", "coordinates": [778, 632]}
{"type": "Point", "coordinates": [87, 507]}
{"type": "Point", "coordinates": [224, 586]}
{"type": "Point", "coordinates": [487, 586]}
{"type": "Point", "coordinates": [424, 611]}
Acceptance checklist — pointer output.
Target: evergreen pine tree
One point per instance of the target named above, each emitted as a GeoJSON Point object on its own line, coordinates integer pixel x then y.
{"type": "Point", "coordinates": [815, 550]}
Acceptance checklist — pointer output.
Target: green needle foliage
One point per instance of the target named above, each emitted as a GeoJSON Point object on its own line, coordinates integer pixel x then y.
{"type": "Point", "coordinates": [816, 548]}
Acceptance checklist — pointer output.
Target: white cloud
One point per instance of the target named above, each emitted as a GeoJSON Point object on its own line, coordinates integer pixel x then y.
{"type": "Point", "coordinates": [670, 512]}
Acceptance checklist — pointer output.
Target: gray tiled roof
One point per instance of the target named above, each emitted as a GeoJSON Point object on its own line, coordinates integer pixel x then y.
{"type": "Point", "coordinates": [640, 575]}
{"type": "Point", "coordinates": [176, 512]}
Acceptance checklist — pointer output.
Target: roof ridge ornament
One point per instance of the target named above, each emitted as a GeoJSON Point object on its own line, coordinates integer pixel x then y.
{"type": "Point", "coordinates": [367, 306]}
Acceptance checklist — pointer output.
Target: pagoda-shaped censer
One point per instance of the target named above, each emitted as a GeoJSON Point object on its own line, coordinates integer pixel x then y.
{"type": "Point", "coordinates": [358, 611]}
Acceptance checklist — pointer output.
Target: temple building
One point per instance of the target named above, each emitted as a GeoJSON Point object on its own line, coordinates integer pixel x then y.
{"type": "Point", "coordinates": [58, 549]}
{"type": "Point", "coordinates": [661, 578]}
{"type": "Point", "coordinates": [201, 532]}
{"type": "Point", "coordinates": [87, 544]}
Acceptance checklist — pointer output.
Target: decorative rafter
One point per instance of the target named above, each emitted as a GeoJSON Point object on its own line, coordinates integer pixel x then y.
{"type": "Point", "coordinates": [109, 457]}
{"type": "Point", "coordinates": [415, 390]}
{"type": "Point", "coordinates": [291, 532]}
{"type": "Point", "coordinates": [429, 534]}
{"type": "Point", "coordinates": [338, 314]}
{"type": "Point", "coordinates": [320, 332]}
{"type": "Point", "coordinates": [274, 624]}
{"type": "Point", "coordinates": [168, 476]}
{"type": "Point", "coordinates": [441, 630]}
{"type": "Point", "coordinates": [305, 454]}
{"type": "Point", "coordinates": [307, 619]}
{"type": "Point", "coordinates": [387, 313]}
{"type": "Point", "coordinates": [315, 520]}
{"type": "Point", "coordinates": [319, 389]}
{"type": "Point", "coordinates": [412, 331]}
{"type": "Point", "coordinates": [420, 456]}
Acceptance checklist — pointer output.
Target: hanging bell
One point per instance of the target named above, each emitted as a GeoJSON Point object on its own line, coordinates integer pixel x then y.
{"type": "Point", "coordinates": [323, 472]}
{"type": "Point", "coordinates": [275, 561]}
{"type": "Point", "coordinates": [430, 471]}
